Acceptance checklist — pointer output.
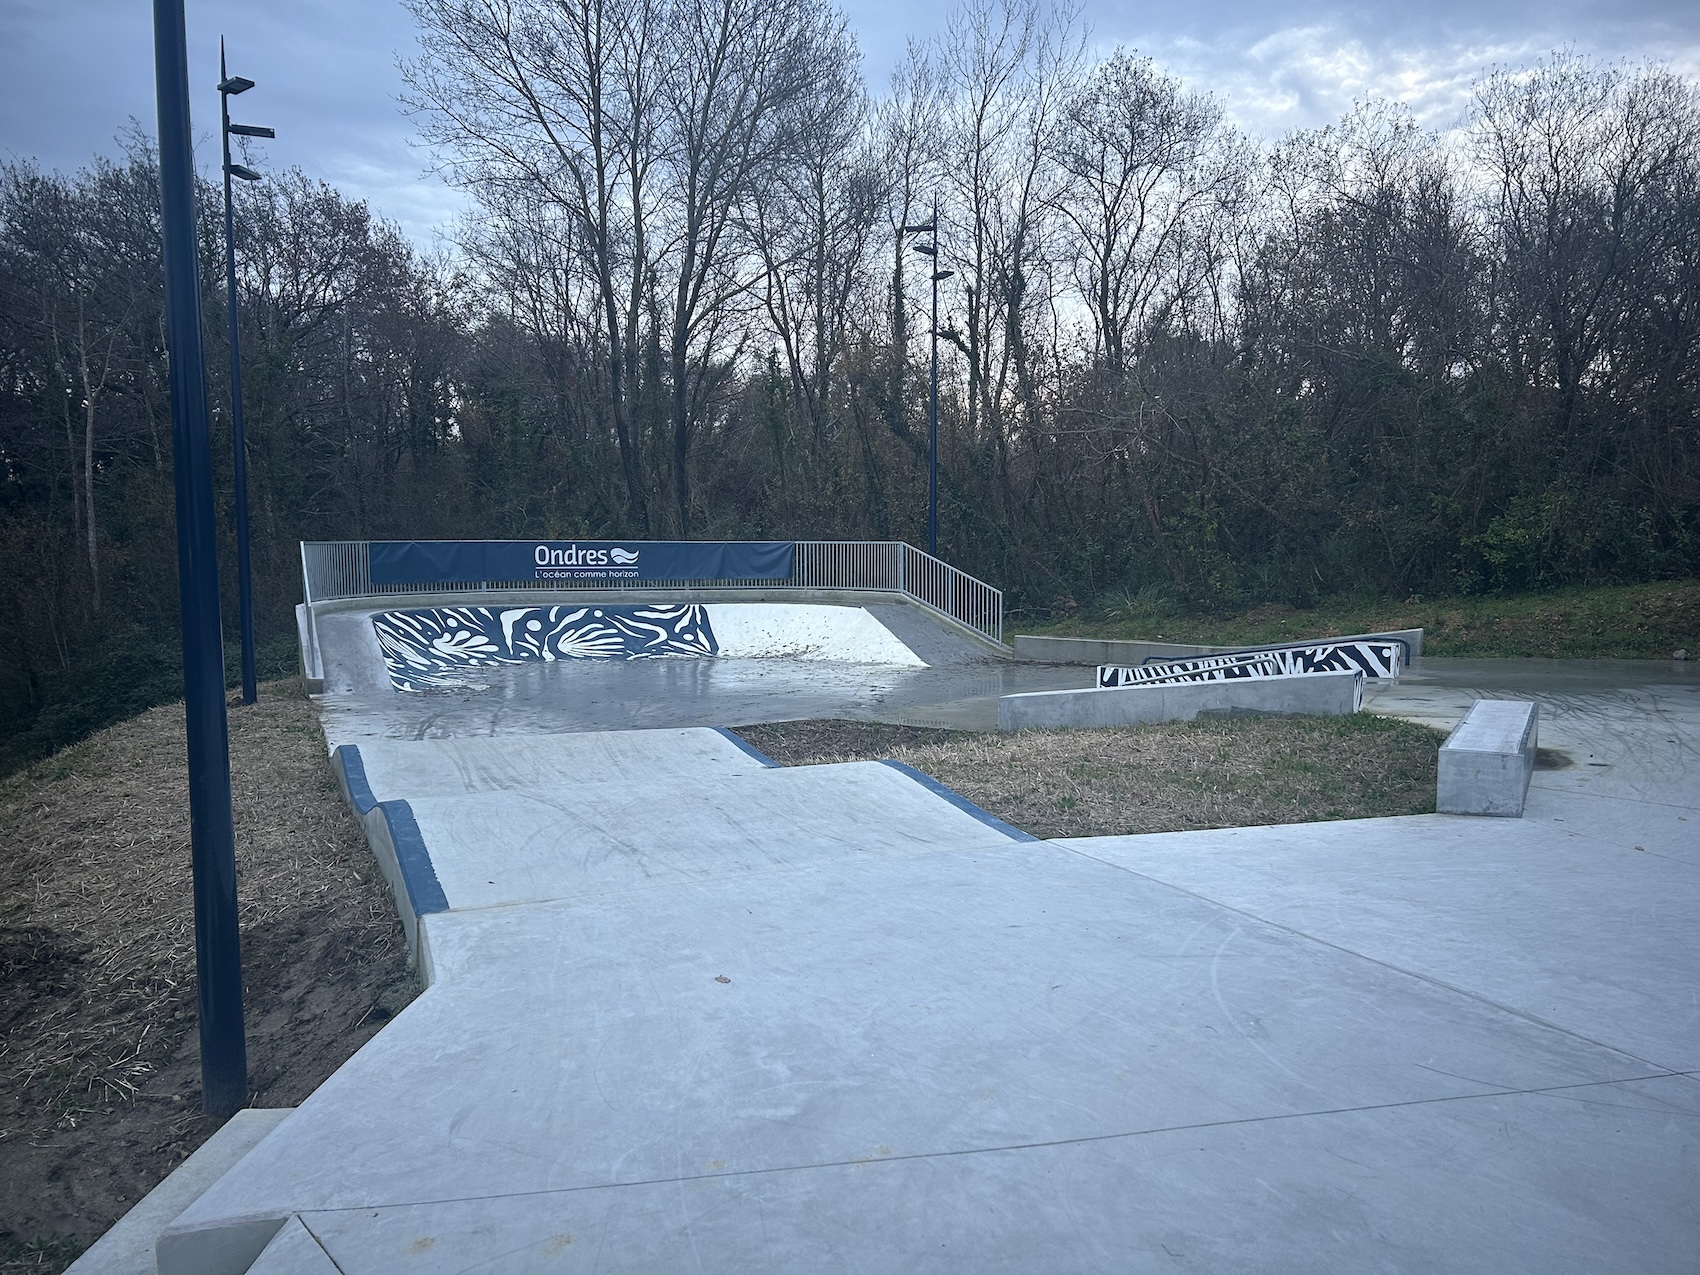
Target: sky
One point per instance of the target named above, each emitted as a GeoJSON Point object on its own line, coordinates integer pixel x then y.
{"type": "Point", "coordinates": [75, 73]}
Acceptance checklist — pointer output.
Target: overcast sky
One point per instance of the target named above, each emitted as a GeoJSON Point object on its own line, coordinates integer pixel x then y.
{"type": "Point", "coordinates": [74, 72]}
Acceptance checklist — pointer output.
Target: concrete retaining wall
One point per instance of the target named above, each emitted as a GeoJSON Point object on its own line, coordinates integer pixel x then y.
{"type": "Point", "coordinates": [1287, 695]}
{"type": "Point", "coordinates": [1066, 650]}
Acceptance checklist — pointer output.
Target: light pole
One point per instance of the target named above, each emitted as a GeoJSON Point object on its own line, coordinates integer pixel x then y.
{"type": "Point", "coordinates": [212, 836]}
{"type": "Point", "coordinates": [228, 86]}
{"type": "Point", "coordinates": [931, 251]}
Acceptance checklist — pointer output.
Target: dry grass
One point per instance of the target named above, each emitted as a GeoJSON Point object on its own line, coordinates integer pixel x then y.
{"type": "Point", "coordinates": [97, 1041]}
{"type": "Point", "coordinates": [1220, 773]}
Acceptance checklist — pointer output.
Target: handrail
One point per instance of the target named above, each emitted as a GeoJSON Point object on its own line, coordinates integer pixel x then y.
{"type": "Point", "coordinates": [335, 570]}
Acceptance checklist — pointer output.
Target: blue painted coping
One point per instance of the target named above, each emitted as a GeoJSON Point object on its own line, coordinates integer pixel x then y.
{"type": "Point", "coordinates": [418, 873]}
{"type": "Point", "coordinates": [424, 891]}
{"type": "Point", "coordinates": [347, 759]}
{"type": "Point", "coordinates": [745, 746]}
{"type": "Point", "coordinates": [960, 802]}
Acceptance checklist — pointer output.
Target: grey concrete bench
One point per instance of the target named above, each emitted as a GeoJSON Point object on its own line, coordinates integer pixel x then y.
{"type": "Point", "coordinates": [1486, 761]}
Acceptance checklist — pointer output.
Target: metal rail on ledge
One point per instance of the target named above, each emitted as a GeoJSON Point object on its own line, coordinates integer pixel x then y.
{"type": "Point", "coordinates": [339, 569]}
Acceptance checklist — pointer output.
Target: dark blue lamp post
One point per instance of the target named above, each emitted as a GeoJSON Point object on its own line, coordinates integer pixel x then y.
{"type": "Point", "coordinates": [228, 86]}
{"type": "Point", "coordinates": [931, 251]}
{"type": "Point", "coordinates": [218, 953]}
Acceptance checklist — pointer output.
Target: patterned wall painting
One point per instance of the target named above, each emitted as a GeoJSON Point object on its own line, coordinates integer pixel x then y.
{"type": "Point", "coordinates": [432, 649]}
{"type": "Point", "coordinates": [1374, 659]}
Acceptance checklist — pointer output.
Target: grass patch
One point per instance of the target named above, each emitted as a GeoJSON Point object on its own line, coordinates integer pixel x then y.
{"type": "Point", "coordinates": [1637, 621]}
{"type": "Point", "coordinates": [1168, 777]}
{"type": "Point", "coordinates": [97, 1024]}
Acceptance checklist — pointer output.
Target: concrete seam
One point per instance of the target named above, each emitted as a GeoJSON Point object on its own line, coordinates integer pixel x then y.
{"type": "Point", "coordinates": [424, 892]}
{"type": "Point", "coordinates": [745, 746]}
{"type": "Point", "coordinates": [312, 1235]}
{"type": "Point", "coordinates": [959, 801]}
{"type": "Point", "coordinates": [1430, 979]}
{"type": "Point", "coordinates": [1038, 1145]}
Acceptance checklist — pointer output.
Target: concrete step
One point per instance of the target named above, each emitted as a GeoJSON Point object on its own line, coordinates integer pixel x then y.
{"type": "Point", "coordinates": [128, 1248]}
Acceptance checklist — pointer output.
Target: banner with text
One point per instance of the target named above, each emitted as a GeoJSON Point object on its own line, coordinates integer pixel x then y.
{"type": "Point", "coordinates": [396, 562]}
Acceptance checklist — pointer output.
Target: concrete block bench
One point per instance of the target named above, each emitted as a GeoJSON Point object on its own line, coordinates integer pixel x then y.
{"type": "Point", "coordinates": [1487, 760]}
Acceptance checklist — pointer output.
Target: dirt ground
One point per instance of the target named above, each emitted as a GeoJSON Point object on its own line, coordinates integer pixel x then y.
{"type": "Point", "coordinates": [99, 1062]}
{"type": "Point", "coordinates": [1218, 773]}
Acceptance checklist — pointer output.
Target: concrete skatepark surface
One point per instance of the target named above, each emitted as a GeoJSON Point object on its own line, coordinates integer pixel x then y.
{"type": "Point", "coordinates": [687, 1011]}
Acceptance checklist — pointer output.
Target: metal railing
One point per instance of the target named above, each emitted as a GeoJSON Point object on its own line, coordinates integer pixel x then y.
{"type": "Point", "coordinates": [333, 570]}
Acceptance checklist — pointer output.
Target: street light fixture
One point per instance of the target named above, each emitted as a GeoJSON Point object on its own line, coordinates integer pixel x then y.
{"type": "Point", "coordinates": [938, 276]}
{"type": "Point", "coordinates": [228, 87]}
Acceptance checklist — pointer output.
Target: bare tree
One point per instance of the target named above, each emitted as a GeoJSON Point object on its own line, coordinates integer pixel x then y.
{"type": "Point", "coordinates": [1144, 163]}
{"type": "Point", "coordinates": [811, 223]}
{"type": "Point", "coordinates": [535, 103]}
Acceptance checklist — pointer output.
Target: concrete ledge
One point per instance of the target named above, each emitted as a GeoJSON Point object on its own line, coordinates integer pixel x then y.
{"type": "Point", "coordinates": [1488, 759]}
{"type": "Point", "coordinates": [1066, 650]}
{"type": "Point", "coordinates": [1287, 695]}
{"type": "Point", "coordinates": [393, 834]}
{"type": "Point", "coordinates": [128, 1248]}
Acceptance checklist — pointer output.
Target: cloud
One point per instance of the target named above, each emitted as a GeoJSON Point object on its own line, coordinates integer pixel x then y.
{"type": "Point", "coordinates": [75, 71]}
{"type": "Point", "coordinates": [1309, 75]}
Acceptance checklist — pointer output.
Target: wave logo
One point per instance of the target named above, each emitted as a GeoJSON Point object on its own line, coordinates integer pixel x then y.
{"type": "Point", "coordinates": [623, 557]}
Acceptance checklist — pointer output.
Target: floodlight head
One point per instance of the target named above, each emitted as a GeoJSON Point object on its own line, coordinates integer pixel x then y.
{"type": "Point", "coordinates": [238, 170]}
{"type": "Point", "coordinates": [925, 249]}
{"type": "Point", "coordinates": [926, 228]}
{"type": "Point", "coordinates": [252, 130]}
{"type": "Point", "coordinates": [235, 84]}
{"type": "Point", "coordinates": [940, 275]}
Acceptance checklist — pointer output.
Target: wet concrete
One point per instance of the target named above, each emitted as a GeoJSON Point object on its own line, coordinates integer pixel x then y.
{"type": "Point", "coordinates": [544, 699]}
{"type": "Point", "coordinates": [1591, 710]}
{"type": "Point", "coordinates": [1628, 728]}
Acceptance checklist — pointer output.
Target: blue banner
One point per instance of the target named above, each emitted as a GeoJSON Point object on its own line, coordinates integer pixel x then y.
{"type": "Point", "coordinates": [396, 562]}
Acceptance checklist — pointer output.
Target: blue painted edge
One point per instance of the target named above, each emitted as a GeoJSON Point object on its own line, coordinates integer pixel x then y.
{"type": "Point", "coordinates": [347, 759]}
{"type": "Point", "coordinates": [959, 801]}
{"type": "Point", "coordinates": [424, 891]}
{"type": "Point", "coordinates": [745, 746]}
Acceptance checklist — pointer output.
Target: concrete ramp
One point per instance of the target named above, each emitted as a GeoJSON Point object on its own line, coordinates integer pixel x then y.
{"type": "Point", "coordinates": [499, 848]}
{"type": "Point", "coordinates": [445, 647]}
{"type": "Point", "coordinates": [582, 761]}
{"type": "Point", "coordinates": [492, 822]}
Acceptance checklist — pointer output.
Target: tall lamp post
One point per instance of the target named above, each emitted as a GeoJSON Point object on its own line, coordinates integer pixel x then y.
{"type": "Point", "coordinates": [228, 87]}
{"type": "Point", "coordinates": [212, 836]}
{"type": "Point", "coordinates": [931, 252]}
